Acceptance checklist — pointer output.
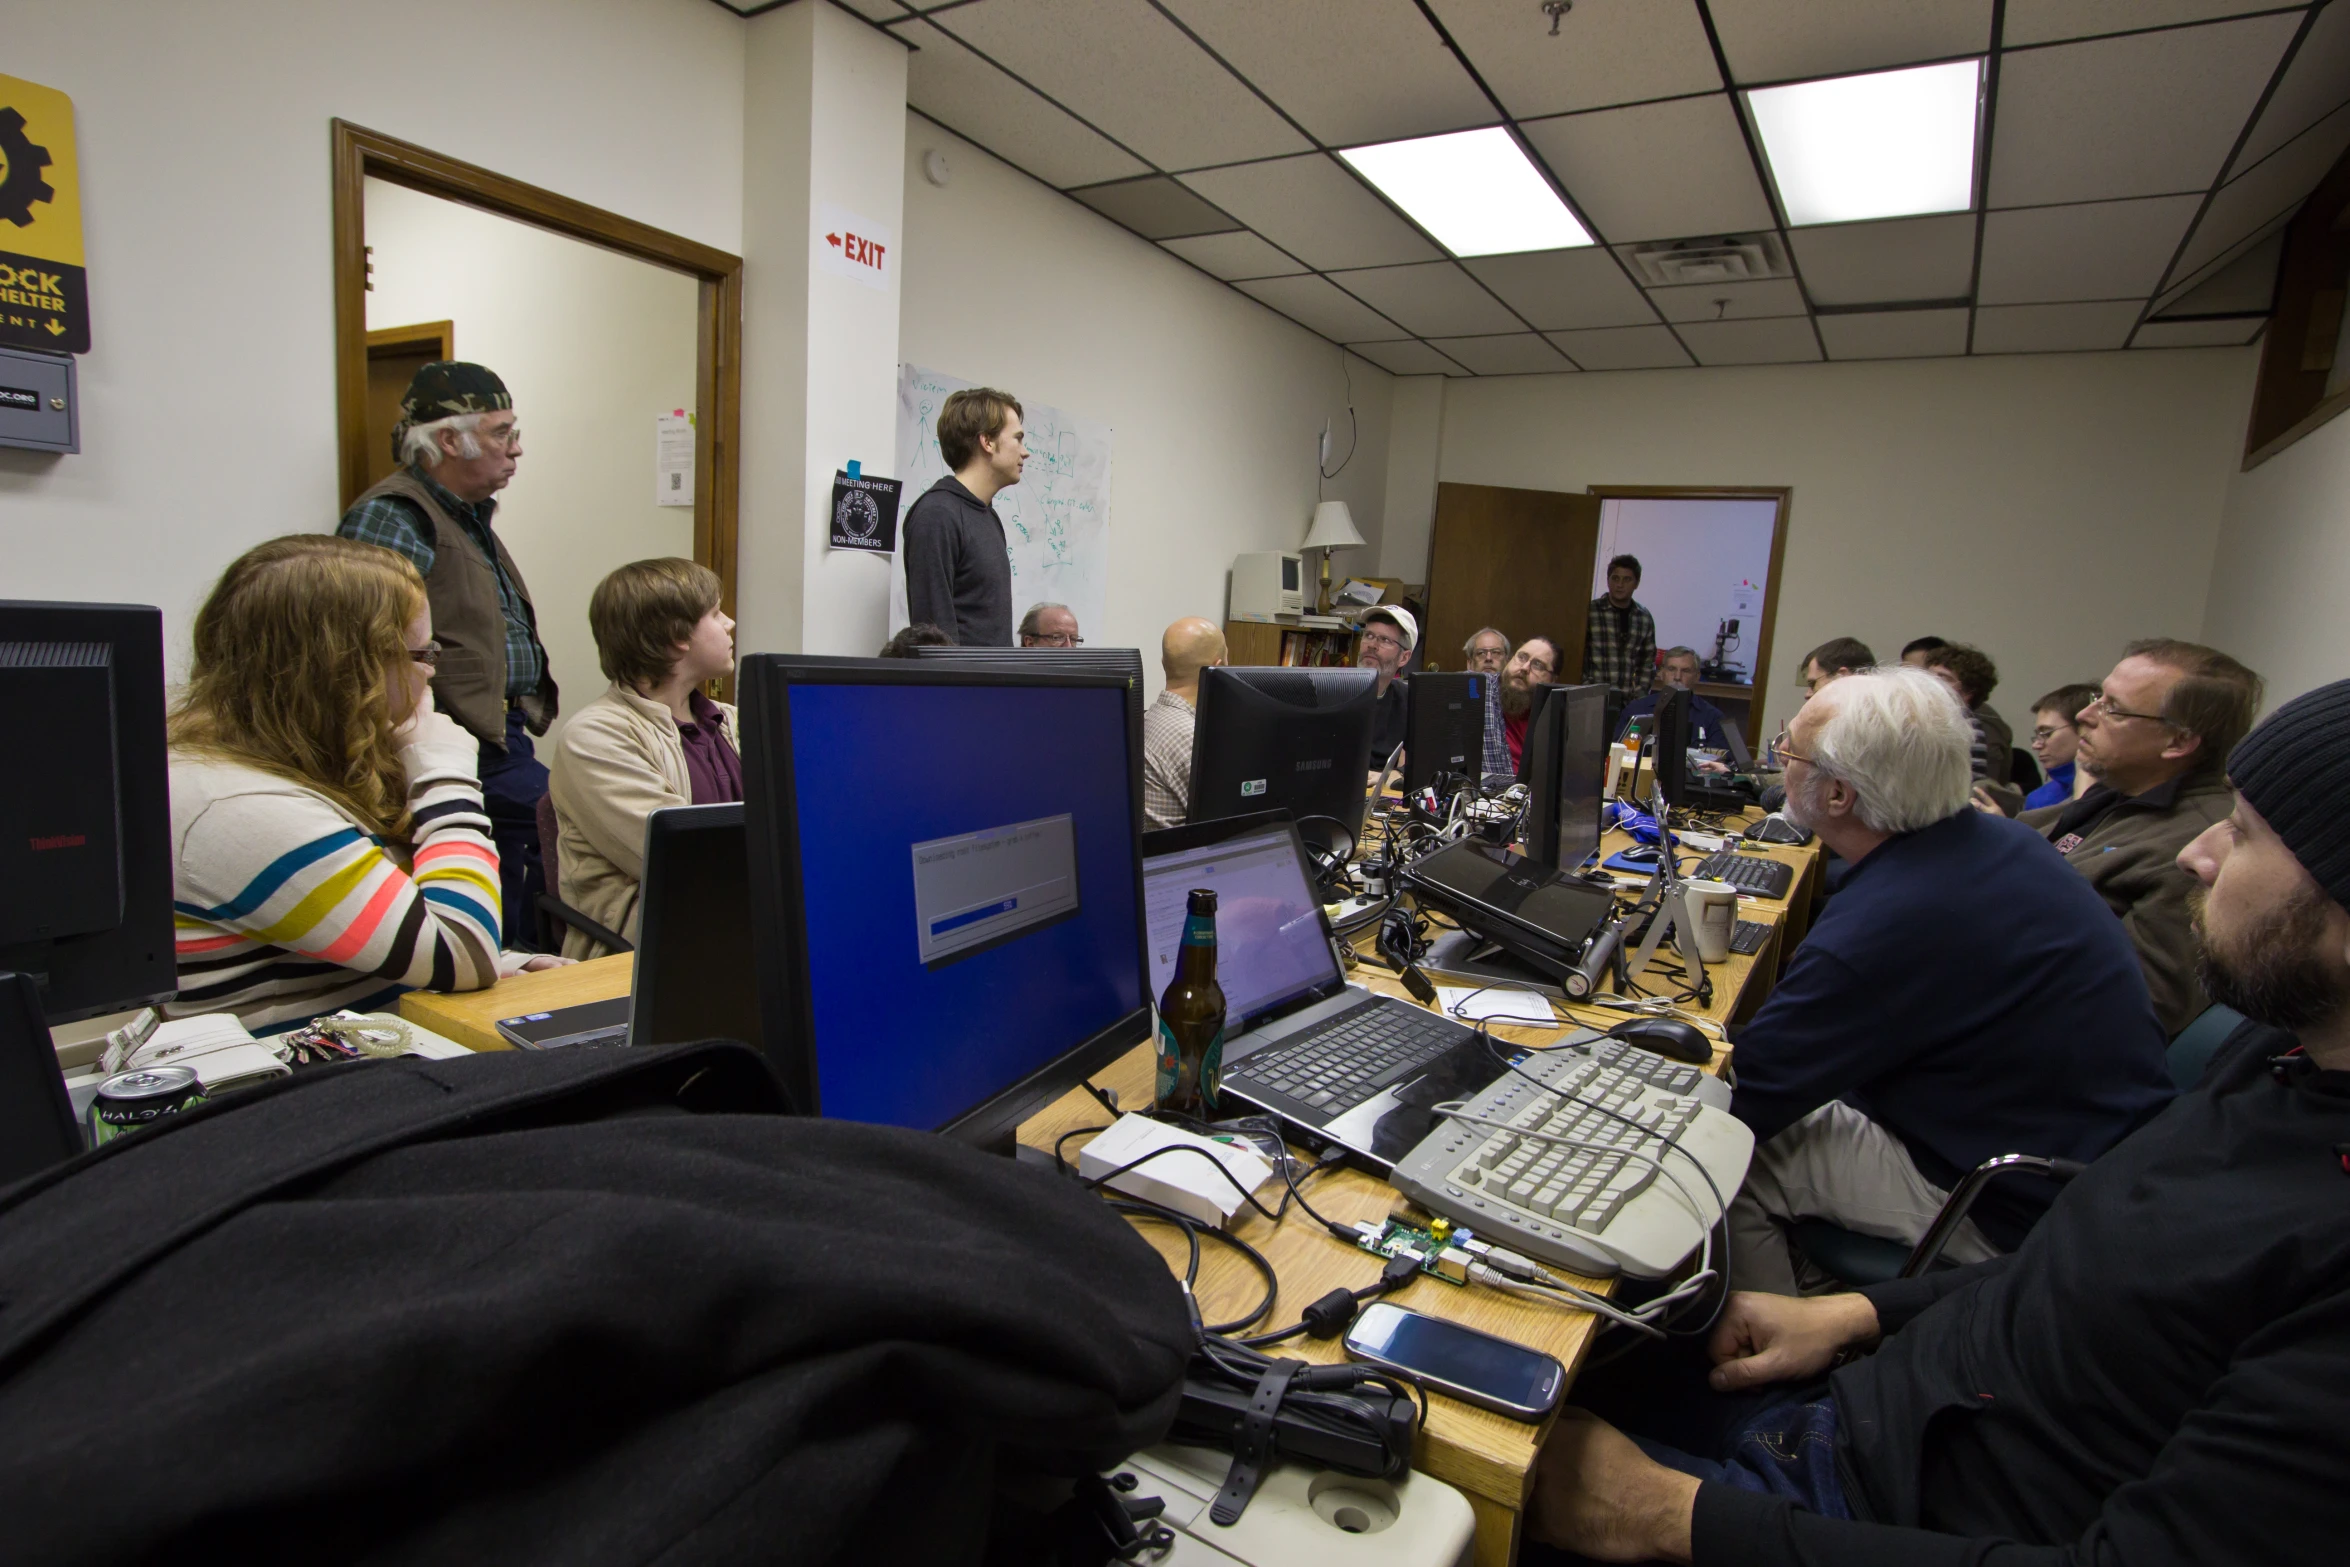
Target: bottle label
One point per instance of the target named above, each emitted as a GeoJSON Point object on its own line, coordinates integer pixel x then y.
{"type": "Point", "coordinates": [1199, 930]}
{"type": "Point", "coordinates": [1211, 1069]}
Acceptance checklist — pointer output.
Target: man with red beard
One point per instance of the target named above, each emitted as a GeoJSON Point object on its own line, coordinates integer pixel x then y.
{"type": "Point", "coordinates": [1529, 669]}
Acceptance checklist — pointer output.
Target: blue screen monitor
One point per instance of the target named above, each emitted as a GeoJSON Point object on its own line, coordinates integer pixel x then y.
{"type": "Point", "coordinates": [946, 886]}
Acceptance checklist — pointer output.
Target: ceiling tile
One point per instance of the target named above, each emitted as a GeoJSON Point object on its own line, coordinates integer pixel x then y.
{"type": "Point", "coordinates": [1786, 340]}
{"type": "Point", "coordinates": [1729, 301]}
{"type": "Point", "coordinates": [2206, 271]}
{"type": "Point", "coordinates": [2244, 281]}
{"type": "Point", "coordinates": [1565, 288]}
{"type": "Point", "coordinates": [1234, 256]}
{"type": "Point", "coordinates": [1883, 263]}
{"type": "Point", "coordinates": [1353, 72]}
{"type": "Point", "coordinates": [1895, 334]}
{"type": "Point", "coordinates": [2103, 250]}
{"type": "Point", "coordinates": [1409, 357]}
{"type": "Point", "coordinates": [2315, 83]}
{"type": "Point", "coordinates": [2045, 21]}
{"type": "Point", "coordinates": [870, 10]}
{"type": "Point", "coordinates": [2147, 115]}
{"type": "Point", "coordinates": [1154, 207]}
{"type": "Point", "coordinates": [1606, 51]}
{"type": "Point", "coordinates": [2275, 185]}
{"type": "Point", "coordinates": [2047, 329]}
{"type": "Point", "coordinates": [1436, 299]}
{"type": "Point", "coordinates": [972, 98]}
{"type": "Point", "coordinates": [1315, 210]}
{"type": "Point", "coordinates": [1622, 348]}
{"type": "Point", "coordinates": [2198, 334]}
{"type": "Point", "coordinates": [1321, 306]}
{"type": "Point", "coordinates": [1657, 170]}
{"type": "Point", "coordinates": [1513, 353]}
{"type": "Point", "coordinates": [1127, 69]}
{"type": "Point", "coordinates": [1772, 41]}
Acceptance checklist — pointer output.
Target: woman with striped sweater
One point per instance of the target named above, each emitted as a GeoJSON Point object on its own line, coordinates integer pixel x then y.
{"type": "Point", "coordinates": [329, 843]}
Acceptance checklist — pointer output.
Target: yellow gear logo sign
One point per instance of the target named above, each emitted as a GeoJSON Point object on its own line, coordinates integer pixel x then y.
{"type": "Point", "coordinates": [44, 293]}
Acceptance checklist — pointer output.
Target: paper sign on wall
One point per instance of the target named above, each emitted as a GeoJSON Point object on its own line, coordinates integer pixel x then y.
{"type": "Point", "coordinates": [44, 294]}
{"type": "Point", "coordinates": [865, 513]}
{"type": "Point", "coordinates": [673, 459]}
{"type": "Point", "coordinates": [854, 247]}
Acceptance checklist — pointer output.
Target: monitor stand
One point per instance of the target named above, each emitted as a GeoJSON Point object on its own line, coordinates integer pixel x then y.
{"type": "Point", "coordinates": [1468, 957]}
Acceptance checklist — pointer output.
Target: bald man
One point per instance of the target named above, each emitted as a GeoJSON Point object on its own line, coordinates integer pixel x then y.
{"type": "Point", "coordinates": [1188, 647]}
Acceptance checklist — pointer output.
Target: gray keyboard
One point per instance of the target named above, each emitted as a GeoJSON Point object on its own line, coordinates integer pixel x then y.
{"type": "Point", "coordinates": [1592, 1201]}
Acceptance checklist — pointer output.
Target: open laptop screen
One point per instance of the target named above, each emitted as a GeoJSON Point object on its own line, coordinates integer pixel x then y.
{"type": "Point", "coordinates": [1270, 949]}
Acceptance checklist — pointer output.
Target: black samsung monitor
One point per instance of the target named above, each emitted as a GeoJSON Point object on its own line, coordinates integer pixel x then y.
{"type": "Point", "coordinates": [1297, 740]}
{"type": "Point", "coordinates": [696, 967]}
{"type": "Point", "coordinates": [1670, 745]}
{"type": "Point", "coordinates": [1444, 730]}
{"type": "Point", "coordinates": [85, 813]}
{"type": "Point", "coordinates": [1122, 663]}
{"type": "Point", "coordinates": [1566, 770]}
{"type": "Point", "coordinates": [946, 886]}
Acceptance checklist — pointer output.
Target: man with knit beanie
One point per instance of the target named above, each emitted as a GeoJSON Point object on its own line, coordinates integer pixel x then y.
{"type": "Point", "coordinates": [2160, 1374]}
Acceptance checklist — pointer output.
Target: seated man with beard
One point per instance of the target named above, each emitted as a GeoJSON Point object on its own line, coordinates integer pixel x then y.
{"type": "Point", "coordinates": [1958, 998]}
{"type": "Point", "coordinates": [1529, 669]}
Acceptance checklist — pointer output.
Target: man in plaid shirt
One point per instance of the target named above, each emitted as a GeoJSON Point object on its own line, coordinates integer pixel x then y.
{"type": "Point", "coordinates": [1619, 638]}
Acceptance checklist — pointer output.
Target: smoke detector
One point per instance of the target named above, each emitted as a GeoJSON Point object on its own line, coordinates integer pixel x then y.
{"type": "Point", "coordinates": [1733, 258]}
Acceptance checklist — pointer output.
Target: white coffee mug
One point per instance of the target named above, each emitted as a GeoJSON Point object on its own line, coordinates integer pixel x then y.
{"type": "Point", "coordinates": [1711, 910]}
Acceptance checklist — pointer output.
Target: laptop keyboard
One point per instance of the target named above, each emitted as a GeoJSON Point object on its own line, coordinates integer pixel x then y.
{"type": "Point", "coordinates": [1746, 872]}
{"type": "Point", "coordinates": [1347, 1059]}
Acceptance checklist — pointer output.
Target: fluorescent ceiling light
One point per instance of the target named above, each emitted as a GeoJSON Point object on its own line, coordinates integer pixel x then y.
{"type": "Point", "coordinates": [1891, 144]}
{"type": "Point", "coordinates": [1476, 191]}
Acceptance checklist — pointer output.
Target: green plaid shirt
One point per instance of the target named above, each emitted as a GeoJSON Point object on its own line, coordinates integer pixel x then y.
{"type": "Point", "coordinates": [1619, 647]}
{"type": "Point", "coordinates": [397, 524]}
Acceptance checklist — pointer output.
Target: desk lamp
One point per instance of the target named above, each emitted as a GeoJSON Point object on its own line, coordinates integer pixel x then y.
{"type": "Point", "coordinates": [1333, 529]}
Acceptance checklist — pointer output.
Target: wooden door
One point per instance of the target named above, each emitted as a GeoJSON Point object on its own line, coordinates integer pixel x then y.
{"type": "Point", "coordinates": [394, 355]}
{"type": "Point", "coordinates": [1519, 560]}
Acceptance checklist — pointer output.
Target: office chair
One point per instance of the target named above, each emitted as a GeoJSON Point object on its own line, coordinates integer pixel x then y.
{"type": "Point", "coordinates": [2023, 769]}
{"type": "Point", "coordinates": [1869, 1259]}
{"type": "Point", "coordinates": [2191, 1051]}
{"type": "Point", "coordinates": [554, 914]}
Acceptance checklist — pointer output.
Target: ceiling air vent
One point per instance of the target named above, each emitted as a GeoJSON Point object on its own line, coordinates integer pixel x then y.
{"type": "Point", "coordinates": [1733, 258]}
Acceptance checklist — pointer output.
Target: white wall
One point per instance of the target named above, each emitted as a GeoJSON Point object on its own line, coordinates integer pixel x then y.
{"type": "Point", "coordinates": [594, 346]}
{"type": "Point", "coordinates": [1695, 556]}
{"type": "Point", "coordinates": [2047, 507]}
{"type": "Point", "coordinates": [208, 398]}
{"type": "Point", "coordinates": [2282, 579]}
{"type": "Point", "coordinates": [1215, 401]}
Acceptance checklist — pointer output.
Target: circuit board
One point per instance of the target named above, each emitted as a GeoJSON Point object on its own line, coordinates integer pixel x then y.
{"type": "Point", "coordinates": [1437, 1245]}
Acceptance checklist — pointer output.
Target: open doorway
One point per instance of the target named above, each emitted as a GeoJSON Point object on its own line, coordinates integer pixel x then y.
{"type": "Point", "coordinates": [1709, 561]}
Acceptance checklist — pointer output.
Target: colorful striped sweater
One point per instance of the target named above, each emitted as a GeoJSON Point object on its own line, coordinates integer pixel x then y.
{"type": "Point", "coordinates": [287, 908]}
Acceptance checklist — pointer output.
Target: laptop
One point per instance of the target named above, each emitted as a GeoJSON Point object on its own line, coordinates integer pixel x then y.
{"type": "Point", "coordinates": [1335, 1062]}
{"type": "Point", "coordinates": [694, 977]}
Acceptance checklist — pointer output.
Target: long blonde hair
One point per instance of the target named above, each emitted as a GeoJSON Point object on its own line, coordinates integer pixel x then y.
{"type": "Point", "coordinates": [301, 663]}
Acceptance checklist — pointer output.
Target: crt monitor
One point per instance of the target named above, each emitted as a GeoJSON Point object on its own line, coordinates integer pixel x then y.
{"type": "Point", "coordinates": [946, 886]}
{"type": "Point", "coordinates": [1566, 771]}
{"type": "Point", "coordinates": [1285, 739]}
{"type": "Point", "coordinates": [1669, 746]}
{"type": "Point", "coordinates": [696, 971]}
{"type": "Point", "coordinates": [1444, 730]}
{"type": "Point", "coordinates": [85, 835]}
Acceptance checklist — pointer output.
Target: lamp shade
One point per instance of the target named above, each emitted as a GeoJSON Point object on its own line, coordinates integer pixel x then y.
{"type": "Point", "coordinates": [1333, 529]}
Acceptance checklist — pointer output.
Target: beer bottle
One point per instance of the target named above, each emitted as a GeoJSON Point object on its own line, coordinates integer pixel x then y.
{"type": "Point", "coordinates": [1191, 1018]}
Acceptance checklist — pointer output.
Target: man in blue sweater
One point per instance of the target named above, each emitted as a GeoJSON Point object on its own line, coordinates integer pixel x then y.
{"type": "Point", "coordinates": [1964, 995]}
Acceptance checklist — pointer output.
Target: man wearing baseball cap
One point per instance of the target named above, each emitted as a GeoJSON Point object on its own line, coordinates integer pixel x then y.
{"type": "Point", "coordinates": [2159, 1375]}
{"type": "Point", "coordinates": [458, 445]}
{"type": "Point", "coordinates": [1388, 635]}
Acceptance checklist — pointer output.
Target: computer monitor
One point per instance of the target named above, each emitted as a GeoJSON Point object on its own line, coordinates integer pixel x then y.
{"type": "Point", "coordinates": [1444, 730]}
{"type": "Point", "coordinates": [1123, 663]}
{"type": "Point", "coordinates": [946, 888]}
{"type": "Point", "coordinates": [37, 1127]}
{"type": "Point", "coordinates": [1285, 739]}
{"type": "Point", "coordinates": [1566, 770]}
{"type": "Point", "coordinates": [85, 814]}
{"type": "Point", "coordinates": [696, 965]}
{"type": "Point", "coordinates": [1669, 753]}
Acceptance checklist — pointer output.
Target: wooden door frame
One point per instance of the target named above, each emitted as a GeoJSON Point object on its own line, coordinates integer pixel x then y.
{"type": "Point", "coordinates": [1780, 493]}
{"type": "Point", "coordinates": [384, 342]}
{"type": "Point", "coordinates": [360, 153]}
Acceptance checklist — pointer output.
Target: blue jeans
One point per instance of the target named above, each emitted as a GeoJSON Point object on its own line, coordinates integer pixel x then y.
{"type": "Point", "coordinates": [512, 779]}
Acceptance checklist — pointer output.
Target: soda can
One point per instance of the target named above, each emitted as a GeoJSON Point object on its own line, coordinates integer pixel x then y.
{"type": "Point", "coordinates": [130, 1100]}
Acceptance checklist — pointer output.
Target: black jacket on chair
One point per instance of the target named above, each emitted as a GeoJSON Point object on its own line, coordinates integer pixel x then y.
{"type": "Point", "coordinates": [604, 1309]}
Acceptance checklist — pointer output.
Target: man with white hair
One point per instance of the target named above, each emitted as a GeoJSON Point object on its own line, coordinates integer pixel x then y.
{"type": "Point", "coordinates": [458, 445]}
{"type": "Point", "coordinates": [1049, 625]}
{"type": "Point", "coordinates": [1958, 999]}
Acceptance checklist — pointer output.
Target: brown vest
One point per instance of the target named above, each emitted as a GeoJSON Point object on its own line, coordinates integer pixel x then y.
{"type": "Point", "coordinates": [468, 621]}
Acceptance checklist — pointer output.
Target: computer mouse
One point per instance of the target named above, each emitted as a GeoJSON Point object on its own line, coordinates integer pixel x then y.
{"type": "Point", "coordinates": [1639, 854]}
{"type": "Point", "coordinates": [1667, 1036]}
{"type": "Point", "coordinates": [1777, 829]}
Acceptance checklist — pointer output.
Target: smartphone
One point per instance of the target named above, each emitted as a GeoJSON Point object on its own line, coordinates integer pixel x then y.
{"type": "Point", "coordinates": [1490, 1372]}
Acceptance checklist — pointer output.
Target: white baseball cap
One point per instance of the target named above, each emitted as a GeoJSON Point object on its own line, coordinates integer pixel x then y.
{"type": "Point", "coordinates": [1399, 617]}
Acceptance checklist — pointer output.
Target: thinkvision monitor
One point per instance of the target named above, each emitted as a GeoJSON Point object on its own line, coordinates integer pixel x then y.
{"type": "Point", "coordinates": [1444, 730]}
{"type": "Point", "coordinates": [946, 888]}
{"type": "Point", "coordinates": [1285, 739]}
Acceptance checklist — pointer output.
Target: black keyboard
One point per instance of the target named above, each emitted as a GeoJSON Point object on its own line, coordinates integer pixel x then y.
{"type": "Point", "coordinates": [1347, 1059]}
{"type": "Point", "coordinates": [1749, 873]}
{"type": "Point", "coordinates": [1749, 936]}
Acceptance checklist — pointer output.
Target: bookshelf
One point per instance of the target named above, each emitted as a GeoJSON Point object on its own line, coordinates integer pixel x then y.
{"type": "Point", "coordinates": [1261, 643]}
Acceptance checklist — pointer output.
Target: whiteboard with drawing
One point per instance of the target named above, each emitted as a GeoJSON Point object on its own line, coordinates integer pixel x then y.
{"type": "Point", "coordinates": [1056, 519]}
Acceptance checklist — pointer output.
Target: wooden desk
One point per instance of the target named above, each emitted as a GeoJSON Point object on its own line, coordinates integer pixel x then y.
{"type": "Point", "coordinates": [471, 1017]}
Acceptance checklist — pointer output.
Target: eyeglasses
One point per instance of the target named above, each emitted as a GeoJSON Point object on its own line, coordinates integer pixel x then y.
{"type": "Point", "coordinates": [1780, 748]}
{"type": "Point", "coordinates": [428, 655]}
{"type": "Point", "coordinates": [1051, 639]}
{"type": "Point", "coordinates": [1384, 639]}
{"type": "Point", "coordinates": [2048, 732]}
{"type": "Point", "coordinates": [504, 440]}
{"type": "Point", "coordinates": [1535, 666]}
{"type": "Point", "coordinates": [2103, 706]}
